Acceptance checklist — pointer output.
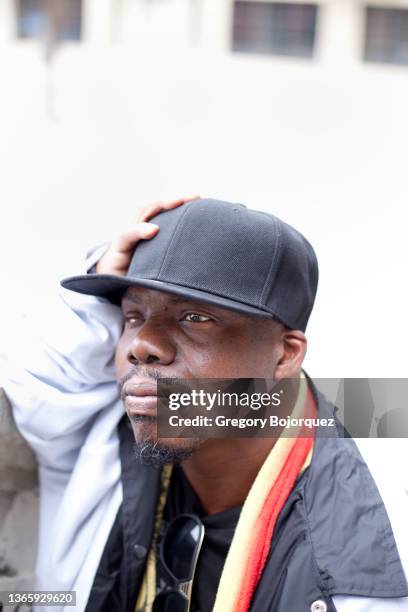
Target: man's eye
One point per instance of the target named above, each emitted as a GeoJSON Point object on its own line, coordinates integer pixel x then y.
{"type": "Point", "coordinates": [132, 321]}
{"type": "Point", "coordinates": [193, 317]}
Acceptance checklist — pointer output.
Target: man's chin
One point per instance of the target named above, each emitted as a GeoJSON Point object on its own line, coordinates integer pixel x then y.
{"type": "Point", "coordinates": [153, 451]}
{"type": "Point", "coordinates": [157, 453]}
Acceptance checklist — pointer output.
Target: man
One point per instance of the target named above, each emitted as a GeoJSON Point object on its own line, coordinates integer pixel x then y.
{"type": "Point", "coordinates": [212, 290]}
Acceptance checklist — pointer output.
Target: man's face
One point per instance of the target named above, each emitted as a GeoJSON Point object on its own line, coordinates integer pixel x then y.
{"type": "Point", "coordinates": [166, 336]}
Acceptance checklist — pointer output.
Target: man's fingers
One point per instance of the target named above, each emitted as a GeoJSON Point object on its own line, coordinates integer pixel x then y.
{"type": "Point", "coordinates": [153, 209]}
{"type": "Point", "coordinates": [142, 231]}
{"type": "Point", "coordinates": [116, 260]}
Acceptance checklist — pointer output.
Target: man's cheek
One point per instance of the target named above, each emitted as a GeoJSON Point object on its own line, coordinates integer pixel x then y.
{"type": "Point", "coordinates": [120, 358]}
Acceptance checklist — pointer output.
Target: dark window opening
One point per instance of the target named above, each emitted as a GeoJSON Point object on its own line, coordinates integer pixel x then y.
{"type": "Point", "coordinates": [61, 19]}
{"type": "Point", "coordinates": [386, 37]}
{"type": "Point", "coordinates": [274, 27]}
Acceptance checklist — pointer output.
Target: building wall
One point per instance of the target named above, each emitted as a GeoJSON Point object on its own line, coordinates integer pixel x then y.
{"type": "Point", "coordinates": [18, 505]}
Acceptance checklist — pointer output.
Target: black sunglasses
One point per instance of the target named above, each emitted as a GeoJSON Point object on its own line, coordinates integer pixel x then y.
{"type": "Point", "coordinates": [178, 554]}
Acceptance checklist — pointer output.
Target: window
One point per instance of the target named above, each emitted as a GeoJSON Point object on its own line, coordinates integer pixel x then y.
{"type": "Point", "coordinates": [386, 38]}
{"type": "Point", "coordinates": [37, 17]}
{"type": "Point", "coordinates": [274, 27]}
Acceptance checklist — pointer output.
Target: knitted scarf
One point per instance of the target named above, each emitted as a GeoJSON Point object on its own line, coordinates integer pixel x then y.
{"type": "Point", "coordinates": [250, 545]}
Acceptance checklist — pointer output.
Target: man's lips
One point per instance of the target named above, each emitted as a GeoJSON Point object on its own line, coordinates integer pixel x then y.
{"type": "Point", "coordinates": [139, 389]}
{"type": "Point", "coordinates": [140, 398]}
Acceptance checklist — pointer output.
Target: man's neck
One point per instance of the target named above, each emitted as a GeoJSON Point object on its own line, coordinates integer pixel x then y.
{"type": "Point", "coordinates": [222, 471]}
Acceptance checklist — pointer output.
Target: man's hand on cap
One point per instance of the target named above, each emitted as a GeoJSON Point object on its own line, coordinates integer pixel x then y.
{"type": "Point", "coordinates": [117, 258]}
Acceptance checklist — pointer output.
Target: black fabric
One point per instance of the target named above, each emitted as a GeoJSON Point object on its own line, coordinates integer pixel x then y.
{"type": "Point", "coordinates": [219, 530]}
{"type": "Point", "coordinates": [224, 254]}
{"type": "Point", "coordinates": [332, 537]}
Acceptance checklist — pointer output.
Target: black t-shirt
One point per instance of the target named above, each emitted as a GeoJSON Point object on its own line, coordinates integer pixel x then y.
{"type": "Point", "coordinates": [219, 530]}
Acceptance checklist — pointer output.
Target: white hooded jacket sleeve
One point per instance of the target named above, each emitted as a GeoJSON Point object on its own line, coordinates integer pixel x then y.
{"type": "Point", "coordinates": [60, 380]}
{"type": "Point", "coordinates": [67, 377]}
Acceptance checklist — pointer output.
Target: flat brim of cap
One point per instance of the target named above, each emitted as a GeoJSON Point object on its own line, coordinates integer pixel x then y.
{"type": "Point", "coordinates": [113, 287]}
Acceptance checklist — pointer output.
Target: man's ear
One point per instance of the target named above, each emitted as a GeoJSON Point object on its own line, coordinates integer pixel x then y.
{"type": "Point", "coordinates": [292, 353]}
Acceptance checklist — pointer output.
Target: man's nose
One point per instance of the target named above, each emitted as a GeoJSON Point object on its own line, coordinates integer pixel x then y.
{"type": "Point", "coordinates": [151, 345]}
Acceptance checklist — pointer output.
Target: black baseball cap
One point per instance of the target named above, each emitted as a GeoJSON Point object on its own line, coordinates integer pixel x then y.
{"type": "Point", "coordinates": [223, 254]}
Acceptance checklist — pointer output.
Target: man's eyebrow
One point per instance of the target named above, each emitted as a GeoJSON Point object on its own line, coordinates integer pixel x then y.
{"type": "Point", "coordinates": [131, 298]}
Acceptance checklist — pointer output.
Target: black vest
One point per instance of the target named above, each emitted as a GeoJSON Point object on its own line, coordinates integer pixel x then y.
{"type": "Point", "coordinates": [333, 536]}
